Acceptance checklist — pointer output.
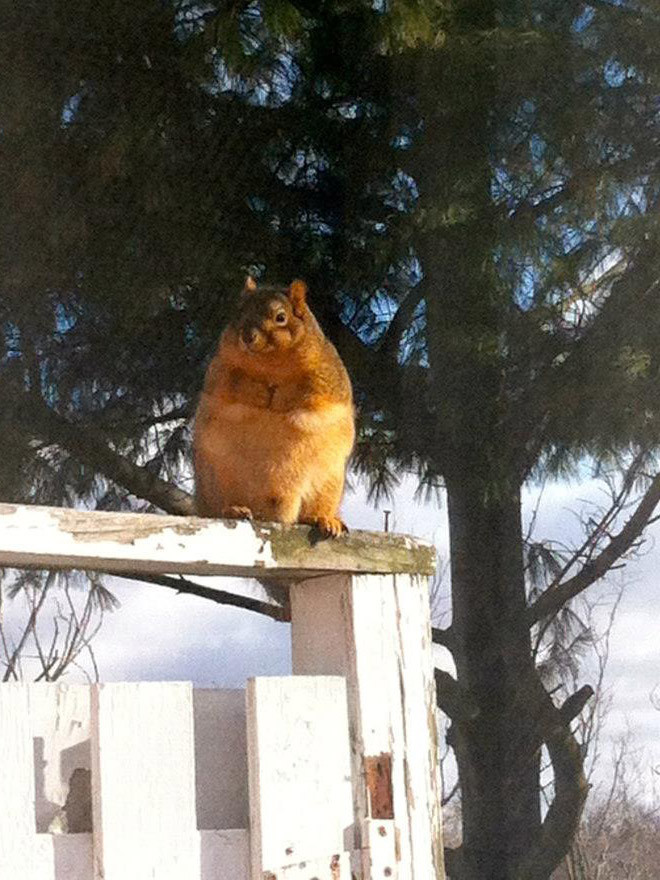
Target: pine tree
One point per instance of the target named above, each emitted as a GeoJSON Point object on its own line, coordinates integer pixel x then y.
{"type": "Point", "coordinates": [470, 190]}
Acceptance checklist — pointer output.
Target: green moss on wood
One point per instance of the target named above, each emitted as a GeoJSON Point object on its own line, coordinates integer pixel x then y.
{"type": "Point", "coordinates": [300, 547]}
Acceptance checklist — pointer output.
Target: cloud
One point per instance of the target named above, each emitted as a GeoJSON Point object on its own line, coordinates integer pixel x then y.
{"type": "Point", "coordinates": [157, 634]}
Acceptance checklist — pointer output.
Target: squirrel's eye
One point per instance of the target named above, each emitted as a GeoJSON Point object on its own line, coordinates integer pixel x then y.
{"type": "Point", "coordinates": [280, 318]}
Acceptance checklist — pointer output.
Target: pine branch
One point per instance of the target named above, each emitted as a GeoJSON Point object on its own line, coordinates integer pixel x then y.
{"type": "Point", "coordinates": [368, 365]}
{"type": "Point", "coordinates": [89, 446]}
{"type": "Point", "coordinates": [533, 421]}
{"type": "Point", "coordinates": [391, 339]}
{"type": "Point", "coordinates": [552, 600]}
{"type": "Point", "coordinates": [402, 392]}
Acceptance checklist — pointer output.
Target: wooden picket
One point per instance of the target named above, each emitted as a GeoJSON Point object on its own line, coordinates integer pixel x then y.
{"type": "Point", "coordinates": [330, 773]}
{"type": "Point", "coordinates": [300, 776]}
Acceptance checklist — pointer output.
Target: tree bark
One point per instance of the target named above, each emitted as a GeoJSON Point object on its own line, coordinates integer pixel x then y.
{"type": "Point", "coordinates": [496, 751]}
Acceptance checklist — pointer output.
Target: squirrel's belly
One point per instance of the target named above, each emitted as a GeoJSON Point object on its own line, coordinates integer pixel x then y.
{"type": "Point", "coordinates": [254, 457]}
{"type": "Point", "coordinates": [263, 440]}
{"type": "Point", "coordinates": [304, 420]}
{"type": "Point", "coordinates": [237, 420]}
{"type": "Point", "coordinates": [267, 442]}
{"type": "Point", "coordinates": [319, 419]}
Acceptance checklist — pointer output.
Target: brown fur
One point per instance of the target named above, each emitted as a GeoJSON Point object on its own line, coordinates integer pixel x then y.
{"type": "Point", "coordinates": [275, 423]}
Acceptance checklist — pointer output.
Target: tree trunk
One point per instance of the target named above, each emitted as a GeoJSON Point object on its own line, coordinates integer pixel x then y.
{"type": "Point", "coordinates": [496, 752]}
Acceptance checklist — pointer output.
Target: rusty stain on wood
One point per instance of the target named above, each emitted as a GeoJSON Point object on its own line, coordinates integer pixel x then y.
{"type": "Point", "coordinates": [335, 868]}
{"type": "Point", "coordinates": [378, 776]}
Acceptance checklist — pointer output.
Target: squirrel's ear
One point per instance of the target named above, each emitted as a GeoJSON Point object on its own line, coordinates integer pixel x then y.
{"type": "Point", "coordinates": [250, 285]}
{"type": "Point", "coordinates": [297, 295]}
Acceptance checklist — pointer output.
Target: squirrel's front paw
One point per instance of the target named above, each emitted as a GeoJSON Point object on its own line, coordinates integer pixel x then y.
{"type": "Point", "coordinates": [234, 512]}
{"type": "Point", "coordinates": [330, 526]}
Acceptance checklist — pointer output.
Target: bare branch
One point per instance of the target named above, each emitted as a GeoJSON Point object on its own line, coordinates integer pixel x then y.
{"type": "Point", "coordinates": [563, 817]}
{"type": "Point", "coordinates": [573, 705]}
{"type": "Point", "coordinates": [553, 599]}
{"type": "Point", "coordinates": [14, 659]}
{"type": "Point", "coordinates": [222, 597]}
{"type": "Point", "coordinates": [454, 700]}
{"type": "Point", "coordinates": [602, 528]}
{"type": "Point", "coordinates": [54, 633]}
{"type": "Point", "coordinates": [32, 596]}
{"type": "Point", "coordinates": [444, 637]}
{"type": "Point", "coordinates": [454, 790]}
{"type": "Point", "coordinates": [3, 637]}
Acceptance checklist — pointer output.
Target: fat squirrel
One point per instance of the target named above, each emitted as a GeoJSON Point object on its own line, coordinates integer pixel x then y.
{"type": "Point", "coordinates": [275, 422]}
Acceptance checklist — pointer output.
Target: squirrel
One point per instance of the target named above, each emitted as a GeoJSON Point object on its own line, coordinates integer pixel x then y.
{"type": "Point", "coordinates": [275, 423]}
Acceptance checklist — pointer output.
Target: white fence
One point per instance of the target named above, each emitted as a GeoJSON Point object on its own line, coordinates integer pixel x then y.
{"type": "Point", "coordinates": [163, 776]}
{"type": "Point", "coordinates": [329, 774]}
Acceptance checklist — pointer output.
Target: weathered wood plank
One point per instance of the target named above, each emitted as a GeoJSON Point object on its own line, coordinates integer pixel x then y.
{"type": "Point", "coordinates": [379, 849]}
{"type": "Point", "coordinates": [143, 782]}
{"type": "Point", "coordinates": [375, 631]}
{"type": "Point", "coordinates": [333, 867]}
{"type": "Point", "coordinates": [60, 727]}
{"type": "Point", "coordinates": [48, 537]}
{"type": "Point", "coordinates": [300, 785]}
{"type": "Point", "coordinates": [419, 717]}
{"type": "Point", "coordinates": [24, 854]}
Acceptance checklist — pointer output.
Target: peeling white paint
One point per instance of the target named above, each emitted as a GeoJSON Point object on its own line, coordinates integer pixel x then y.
{"type": "Point", "coordinates": [376, 632]}
{"type": "Point", "coordinates": [84, 539]}
{"type": "Point", "coordinates": [57, 538]}
{"type": "Point", "coordinates": [238, 544]}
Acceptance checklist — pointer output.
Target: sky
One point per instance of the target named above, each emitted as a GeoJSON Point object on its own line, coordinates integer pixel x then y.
{"type": "Point", "coordinates": [157, 634]}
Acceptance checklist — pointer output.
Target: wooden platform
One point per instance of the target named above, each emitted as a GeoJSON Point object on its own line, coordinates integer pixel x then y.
{"type": "Point", "coordinates": [57, 538]}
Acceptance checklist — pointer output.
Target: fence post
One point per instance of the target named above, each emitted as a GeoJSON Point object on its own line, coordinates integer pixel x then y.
{"type": "Point", "coordinates": [375, 630]}
{"type": "Point", "coordinates": [143, 782]}
{"type": "Point", "coordinates": [299, 772]}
